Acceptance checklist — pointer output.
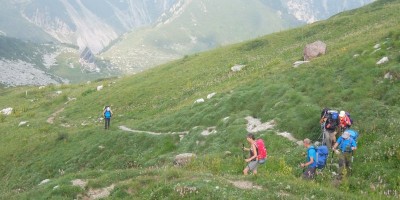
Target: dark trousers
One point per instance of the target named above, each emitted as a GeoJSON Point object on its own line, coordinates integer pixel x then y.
{"type": "Point", "coordinates": [107, 123]}
{"type": "Point", "coordinates": [309, 173]}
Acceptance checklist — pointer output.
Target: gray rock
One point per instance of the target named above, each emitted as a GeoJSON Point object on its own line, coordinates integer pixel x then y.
{"type": "Point", "coordinates": [298, 63]}
{"type": "Point", "coordinates": [388, 76]}
{"type": "Point", "coordinates": [383, 60]}
{"type": "Point", "coordinates": [199, 100]}
{"type": "Point", "coordinates": [314, 49]}
{"type": "Point", "coordinates": [183, 159]}
{"type": "Point", "coordinates": [23, 123]}
{"type": "Point", "coordinates": [237, 68]}
{"type": "Point", "coordinates": [7, 111]}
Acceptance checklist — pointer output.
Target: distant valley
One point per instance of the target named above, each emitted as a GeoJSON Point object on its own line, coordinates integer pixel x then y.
{"type": "Point", "coordinates": [77, 41]}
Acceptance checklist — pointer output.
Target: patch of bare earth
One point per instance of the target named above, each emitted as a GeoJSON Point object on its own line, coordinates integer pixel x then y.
{"type": "Point", "coordinates": [245, 185]}
{"type": "Point", "coordinates": [50, 120]}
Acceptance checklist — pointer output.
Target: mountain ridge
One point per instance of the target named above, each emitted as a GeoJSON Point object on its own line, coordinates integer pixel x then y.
{"type": "Point", "coordinates": [42, 160]}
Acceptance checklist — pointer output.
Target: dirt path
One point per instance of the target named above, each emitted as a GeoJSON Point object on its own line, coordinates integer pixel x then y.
{"type": "Point", "coordinates": [50, 120]}
{"type": "Point", "coordinates": [124, 128]}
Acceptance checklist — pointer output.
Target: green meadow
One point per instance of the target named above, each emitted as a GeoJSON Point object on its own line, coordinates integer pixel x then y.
{"type": "Point", "coordinates": [64, 137]}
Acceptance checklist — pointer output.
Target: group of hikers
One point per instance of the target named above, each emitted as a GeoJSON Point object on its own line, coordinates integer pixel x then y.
{"type": "Point", "coordinates": [332, 122]}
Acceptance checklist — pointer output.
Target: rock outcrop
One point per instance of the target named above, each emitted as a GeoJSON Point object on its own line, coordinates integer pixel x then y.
{"type": "Point", "coordinates": [314, 49]}
{"type": "Point", "coordinates": [183, 159]}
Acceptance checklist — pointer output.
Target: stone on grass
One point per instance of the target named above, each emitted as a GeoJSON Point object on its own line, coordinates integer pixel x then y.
{"type": "Point", "coordinates": [383, 60]}
{"type": "Point", "coordinates": [7, 111]}
{"type": "Point", "coordinates": [209, 96]}
{"type": "Point", "coordinates": [199, 100]}
{"type": "Point", "coordinates": [183, 159]}
{"type": "Point", "coordinates": [314, 49]}
{"type": "Point", "coordinates": [237, 68]}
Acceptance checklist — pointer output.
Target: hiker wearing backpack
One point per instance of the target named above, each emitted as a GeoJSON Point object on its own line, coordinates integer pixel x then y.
{"type": "Point", "coordinates": [252, 160]}
{"type": "Point", "coordinates": [329, 123]}
{"type": "Point", "coordinates": [344, 121]}
{"type": "Point", "coordinates": [346, 145]}
{"type": "Point", "coordinates": [107, 113]}
{"type": "Point", "coordinates": [311, 163]}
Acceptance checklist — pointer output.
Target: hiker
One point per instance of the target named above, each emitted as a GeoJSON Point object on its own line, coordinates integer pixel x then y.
{"type": "Point", "coordinates": [107, 113]}
{"type": "Point", "coordinates": [346, 145]}
{"type": "Point", "coordinates": [311, 163]}
{"type": "Point", "coordinates": [252, 160]}
{"type": "Point", "coordinates": [344, 121]}
{"type": "Point", "coordinates": [329, 124]}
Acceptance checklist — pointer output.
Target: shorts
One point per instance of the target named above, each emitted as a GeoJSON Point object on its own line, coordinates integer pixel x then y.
{"type": "Point", "coordinates": [253, 165]}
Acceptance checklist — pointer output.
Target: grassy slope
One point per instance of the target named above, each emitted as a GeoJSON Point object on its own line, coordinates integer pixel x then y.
{"type": "Point", "coordinates": [194, 30]}
{"type": "Point", "coordinates": [162, 99]}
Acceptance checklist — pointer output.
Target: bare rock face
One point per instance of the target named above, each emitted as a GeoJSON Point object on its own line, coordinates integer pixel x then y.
{"type": "Point", "coordinates": [183, 159]}
{"type": "Point", "coordinates": [314, 49]}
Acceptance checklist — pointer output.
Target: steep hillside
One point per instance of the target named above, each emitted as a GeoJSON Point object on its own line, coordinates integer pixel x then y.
{"type": "Point", "coordinates": [63, 138]}
{"type": "Point", "coordinates": [195, 26]}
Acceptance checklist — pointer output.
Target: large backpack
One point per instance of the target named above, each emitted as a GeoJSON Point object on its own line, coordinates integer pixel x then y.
{"type": "Point", "coordinates": [261, 151]}
{"type": "Point", "coordinates": [322, 155]}
{"type": "Point", "coordinates": [348, 115]}
{"type": "Point", "coordinates": [353, 134]}
{"type": "Point", "coordinates": [332, 119]}
{"type": "Point", "coordinates": [107, 114]}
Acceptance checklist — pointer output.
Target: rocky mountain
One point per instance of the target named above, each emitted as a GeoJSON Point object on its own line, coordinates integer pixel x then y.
{"type": "Point", "coordinates": [137, 34]}
{"type": "Point", "coordinates": [193, 26]}
{"type": "Point", "coordinates": [90, 23]}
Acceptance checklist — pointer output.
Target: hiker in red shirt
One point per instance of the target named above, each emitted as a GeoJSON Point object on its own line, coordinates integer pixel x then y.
{"type": "Point", "coordinates": [344, 121]}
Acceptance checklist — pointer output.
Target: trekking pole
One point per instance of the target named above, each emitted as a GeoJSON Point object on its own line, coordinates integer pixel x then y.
{"type": "Point", "coordinates": [352, 158]}
{"type": "Point", "coordinates": [244, 154]}
{"type": "Point", "coordinates": [330, 167]}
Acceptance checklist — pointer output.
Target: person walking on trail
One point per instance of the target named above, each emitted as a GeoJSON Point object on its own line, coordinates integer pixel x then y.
{"type": "Point", "coordinates": [344, 121]}
{"type": "Point", "coordinates": [329, 123]}
{"type": "Point", "coordinates": [311, 163]}
{"type": "Point", "coordinates": [346, 145]}
{"type": "Point", "coordinates": [252, 161]}
{"type": "Point", "coordinates": [107, 113]}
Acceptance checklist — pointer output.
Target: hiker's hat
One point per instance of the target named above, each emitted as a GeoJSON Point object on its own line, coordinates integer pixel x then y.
{"type": "Point", "coordinates": [346, 135]}
{"type": "Point", "coordinates": [342, 114]}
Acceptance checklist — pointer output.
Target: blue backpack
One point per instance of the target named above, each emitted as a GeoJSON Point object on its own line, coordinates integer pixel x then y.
{"type": "Point", "coordinates": [322, 154]}
{"type": "Point", "coordinates": [353, 134]}
{"type": "Point", "coordinates": [107, 114]}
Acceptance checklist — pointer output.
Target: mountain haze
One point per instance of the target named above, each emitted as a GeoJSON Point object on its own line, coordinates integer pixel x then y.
{"type": "Point", "coordinates": [194, 26]}
{"type": "Point", "coordinates": [134, 34]}
{"type": "Point", "coordinates": [53, 144]}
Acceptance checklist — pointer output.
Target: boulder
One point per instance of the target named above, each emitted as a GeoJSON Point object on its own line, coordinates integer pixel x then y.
{"type": "Point", "coordinates": [237, 68]}
{"type": "Point", "coordinates": [314, 49]}
{"type": "Point", "coordinates": [7, 111]}
{"type": "Point", "coordinates": [388, 76]}
{"type": "Point", "coordinates": [209, 96]}
{"type": "Point", "coordinates": [23, 123]}
{"type": "Point", "coordinates": [209, 130]}
{"type": "Point", "coordinates": [383, 60]}
{"type": "Point", "coordinates": [100, 87]}
{"type": "Point", "coordinates": [183, 159]}
{"type": "Point", "coordinates": [44, 181]}
{"type": "Point", "coordinates": [199, 100]}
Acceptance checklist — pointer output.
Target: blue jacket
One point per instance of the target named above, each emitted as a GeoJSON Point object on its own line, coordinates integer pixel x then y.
{"type": "Point", "coordinates": [311, 152]}
{"type": "Point", "coordinates": [346, 144]}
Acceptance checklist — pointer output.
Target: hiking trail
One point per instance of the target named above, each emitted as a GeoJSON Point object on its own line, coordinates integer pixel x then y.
{"type": "Point", "coordinates": [124, 128]}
